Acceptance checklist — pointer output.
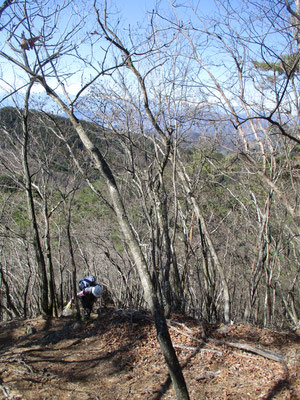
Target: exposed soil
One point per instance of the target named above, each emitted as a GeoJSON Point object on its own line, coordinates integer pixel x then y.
{"type": "Point", "coordinates": [116, 357]}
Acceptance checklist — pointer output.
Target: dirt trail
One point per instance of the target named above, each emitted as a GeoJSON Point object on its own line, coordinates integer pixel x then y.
{"type": "Point", "coordinates": [116, 357]}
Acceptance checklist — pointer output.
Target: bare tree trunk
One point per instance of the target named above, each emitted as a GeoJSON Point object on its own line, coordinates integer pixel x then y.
{"type": "Point", "coordinates": [42, 272]}
{"type": "Point", "coordinates": [10, 305]}
{"type": "Point", "coordinates": [52, 291]}
{"type": "Point", "coordinates": [187, 187]}
{"type": "Point", "coordinates": [209, 278]}
{"type": "Point", "coordinates": [260, 256]}
{"type": "Point", "coordinates": [74, 267]}
{"type": "Point", "coordinates": [161, 209]}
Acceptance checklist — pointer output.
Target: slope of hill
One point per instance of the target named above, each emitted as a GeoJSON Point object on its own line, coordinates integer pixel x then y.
{"type": "Point", "coordinates": [116, 357]}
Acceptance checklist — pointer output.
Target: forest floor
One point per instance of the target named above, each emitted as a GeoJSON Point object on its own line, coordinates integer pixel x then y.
{"type": "Point", "coordinates": [116, 357]}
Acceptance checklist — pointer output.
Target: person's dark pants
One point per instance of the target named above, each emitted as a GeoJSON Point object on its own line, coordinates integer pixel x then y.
{"type": "Point", "coordinates": [87, 304]}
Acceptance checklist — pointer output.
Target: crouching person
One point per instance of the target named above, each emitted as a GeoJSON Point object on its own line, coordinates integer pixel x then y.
{"type": "Point", "coordinates": [90, 291]}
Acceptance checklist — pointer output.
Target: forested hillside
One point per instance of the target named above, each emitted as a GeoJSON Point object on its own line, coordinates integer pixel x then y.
{"type": "Point", "coordinates": [253, 235]}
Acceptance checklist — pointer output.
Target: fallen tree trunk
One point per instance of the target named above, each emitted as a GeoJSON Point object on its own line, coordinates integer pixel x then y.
{"type": "Point", "coordinates": [244, 346]}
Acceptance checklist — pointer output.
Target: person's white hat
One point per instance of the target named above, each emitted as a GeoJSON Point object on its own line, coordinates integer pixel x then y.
{"type": "Point", "coordinates": [97, 290]}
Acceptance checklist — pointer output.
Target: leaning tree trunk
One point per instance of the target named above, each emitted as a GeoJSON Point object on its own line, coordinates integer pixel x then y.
{"type": "Point", "coordinates": [141, 265]}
